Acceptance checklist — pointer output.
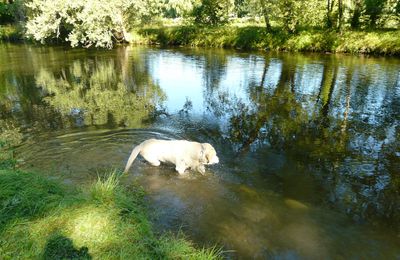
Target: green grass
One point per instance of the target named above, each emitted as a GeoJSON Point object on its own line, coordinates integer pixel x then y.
{"type": "Point", "coordinates": [380, 42]}
{"type": "Point", "coordinates": [43, 219]}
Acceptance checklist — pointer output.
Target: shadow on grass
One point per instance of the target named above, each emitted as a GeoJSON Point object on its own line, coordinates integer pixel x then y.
{"type": "Point", "coordinates": [61, 247]}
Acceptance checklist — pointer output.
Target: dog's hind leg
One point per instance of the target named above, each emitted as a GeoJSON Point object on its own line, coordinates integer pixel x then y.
{"type": "Point", "coordinates": [153, 161]}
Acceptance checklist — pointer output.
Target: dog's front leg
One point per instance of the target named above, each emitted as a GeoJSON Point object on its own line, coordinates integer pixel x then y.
{"type": "Point", "coordinates": [180, 167]}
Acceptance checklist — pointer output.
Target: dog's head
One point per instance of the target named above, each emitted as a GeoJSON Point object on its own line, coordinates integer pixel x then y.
{"type": "Point", "coordinates": [208, 154]}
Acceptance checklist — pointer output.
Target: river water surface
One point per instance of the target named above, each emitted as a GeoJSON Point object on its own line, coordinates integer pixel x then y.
{"type": "Point", "coordinates": [308, 144]}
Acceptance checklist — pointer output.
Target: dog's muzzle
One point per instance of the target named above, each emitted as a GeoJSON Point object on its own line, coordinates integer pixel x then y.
{"type": "Point", "coordinates": [214, 160]}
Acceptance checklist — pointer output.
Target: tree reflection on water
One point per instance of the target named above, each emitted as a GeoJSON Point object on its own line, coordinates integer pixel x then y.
{"type": "Point", "coordinates": [76, 92]}
{"type": "Point", "coordinates": [344, 129]}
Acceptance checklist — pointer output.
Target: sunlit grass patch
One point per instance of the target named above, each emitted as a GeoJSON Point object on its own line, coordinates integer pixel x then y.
{"type": "Point", "coordinates": [104, 189]}
{"type": "Point", "coordinates": [40, 219]}
{"type": "Point", "coordinates": [374, 42]}
{"type": "Point", "coordinates": [177, 247]}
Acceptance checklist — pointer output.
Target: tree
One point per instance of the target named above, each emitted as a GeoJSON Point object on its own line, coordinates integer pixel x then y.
{"type": "Point", "coordinates": [97, 23]}
{"type": "Point", "coordinates": [334, 13]}
{"type": "Point", "coordinates": [179, 8]}
{"type": "Point", "coordinates": [11, 11]}
{"type": "Point", "coordinates": [329, 10]}
{"type": "Point", "coordinates": [213, 12]}
{"type": "Point", "coordinates": [357, 8]}
{"type": "Point", "coordinates": [290, 14]}
{"type": "Point", "coordinates": [374, 9]}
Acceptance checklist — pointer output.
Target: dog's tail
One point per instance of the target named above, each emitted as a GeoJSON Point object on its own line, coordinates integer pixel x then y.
{"type": "Point", "coordinates": [132, 157]}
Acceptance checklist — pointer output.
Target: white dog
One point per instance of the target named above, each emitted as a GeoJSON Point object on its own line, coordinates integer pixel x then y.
{"type": "Point", "coordinates": [183, 154]}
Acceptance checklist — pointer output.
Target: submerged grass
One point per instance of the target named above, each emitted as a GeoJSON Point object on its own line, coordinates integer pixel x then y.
{"type": "Point", "coordinates": [382, 42]}
{"type": "Point", "coordinates": [42, 219]}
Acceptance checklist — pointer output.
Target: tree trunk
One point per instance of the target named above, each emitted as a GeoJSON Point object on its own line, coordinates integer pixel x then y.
{"type": "Point", "coordinates": [355, 19]}
{"type": "Point", "coordinates": [265, 14]}
{"type": "Point", "coordinates": [329, 9]}
{"type": "Point", "coordinates": [340, 14]}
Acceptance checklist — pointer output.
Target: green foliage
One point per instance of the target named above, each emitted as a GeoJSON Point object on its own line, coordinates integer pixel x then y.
{"type": "Point", "coordinates": [256, 37]}
{"type": "Point", "coordinates": [374, 9]}
{"type": "Point", "coordinates": [12, 12]}
{"type": "Point", "coordinates": [313, 40]}
{"type": "Point", "coordinates": [247, 37]}
{"type": "Point", "coordinates": [102, 23]}
{"type": "Point", "coordinates": [372, 42]}
{"type": "Point", "coordinates": [6, 15]}
{"type": "Point", "coordinates": [212, 12]}
{"type": "Point", "coordinates": [178, 8]}
{"type": "Point", "coordinates": [96, 23]}
{"type": "Point", "coordinates": [41, 219]}
{"type": "Point", "coordinates": [290, 14]}
{"type": "Point", "coordinates": [397, 8]}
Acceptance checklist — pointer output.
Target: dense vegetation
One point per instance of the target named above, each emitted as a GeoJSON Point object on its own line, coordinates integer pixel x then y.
{"type": "Point", "coordinates": [366, 26]}
{"type": "Point", "coordinates": [252, 37]}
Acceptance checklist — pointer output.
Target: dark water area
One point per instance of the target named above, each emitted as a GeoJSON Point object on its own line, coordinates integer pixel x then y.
{"type": "Point", "coordinates": [309, 145]}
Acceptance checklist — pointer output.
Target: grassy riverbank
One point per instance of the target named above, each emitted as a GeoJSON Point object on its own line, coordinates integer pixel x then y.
{"type": "Point", "coordinates": [378, 42]}
{"type": "Point", "coordinates": [44, 219]}
{"type": "Point", "coordinates": [254, 37]}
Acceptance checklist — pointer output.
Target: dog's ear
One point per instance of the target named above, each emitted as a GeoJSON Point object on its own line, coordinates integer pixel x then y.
{"type": "Point", "coordinates": [204, 154]}
{"type": "Point", "coordinates": [206, 147]}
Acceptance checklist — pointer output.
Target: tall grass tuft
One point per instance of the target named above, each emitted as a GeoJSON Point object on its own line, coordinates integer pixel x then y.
{"type": "Point", "coordinates": [104, 189]}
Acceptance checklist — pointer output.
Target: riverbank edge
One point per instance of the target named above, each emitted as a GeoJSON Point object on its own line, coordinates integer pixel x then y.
{"type": "Point", "coordinates": [47, 219]}
{"type": "Point", "coordinates": [372, 42]}
{"type": "Point", "coordinates": [379, 42]}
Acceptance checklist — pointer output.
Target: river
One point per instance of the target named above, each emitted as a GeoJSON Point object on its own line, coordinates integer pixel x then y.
{"type": "Point", "coordinates": [309, 144]}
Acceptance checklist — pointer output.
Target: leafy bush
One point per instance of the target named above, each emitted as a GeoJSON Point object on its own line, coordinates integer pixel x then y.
{"type": "Point", "coordinates": [212, 12]}
{"type": "Point", "coordinates": [13, 12]}
{"type": "Point", "coordinates": [6, 15]}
